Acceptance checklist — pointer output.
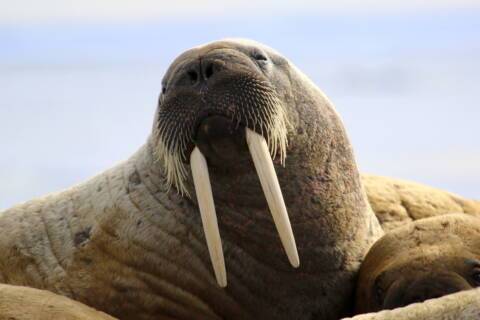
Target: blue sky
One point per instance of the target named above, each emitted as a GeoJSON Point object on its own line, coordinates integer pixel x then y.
{"type": "Point", "coordinates": [79, 81]}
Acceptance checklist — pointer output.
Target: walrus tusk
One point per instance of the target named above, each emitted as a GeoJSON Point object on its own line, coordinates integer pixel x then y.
{"type": "Point", "coordinates": [269, 181]}
{"type": "Point", "coordinates": [203, 190]}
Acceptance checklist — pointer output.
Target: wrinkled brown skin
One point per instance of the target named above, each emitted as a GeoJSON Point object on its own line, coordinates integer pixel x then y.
{"type": "Point", "coordinates": [22, 303]}
{"type": "Point", "coordinates": [124, 244]}
{"type": "Point", "coordinates": [422, 260]}
{"type": "Point", "coordinates": [397, 202]}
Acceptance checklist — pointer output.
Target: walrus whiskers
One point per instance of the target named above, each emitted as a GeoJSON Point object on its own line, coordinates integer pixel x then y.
{"type": "Point", "coordinates": [203, 189]}
{"type": "Point", "coordinates": [254, 105]}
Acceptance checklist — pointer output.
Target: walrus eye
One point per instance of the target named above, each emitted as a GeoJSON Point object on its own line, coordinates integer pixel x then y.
{"type": "Point", "coordinates": [474, 264]}
{"type": "Point", "coordinates": [378, 291]}
{"type": "Point", "coordinates": [259, 56]}
{"type": "Point", "coordinates": [476, 276]}
{"type": "Point", "coordinates": [379, 294]}
{"type": "Point", "coordinates": [161, 97]}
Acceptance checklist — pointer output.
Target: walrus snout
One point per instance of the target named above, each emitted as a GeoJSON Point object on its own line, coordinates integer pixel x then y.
{"type": "Point", "coordinates": [207, 67]}
{"type": "Point", "coordinates": [199, 72]}
{"type": "Point", "coordinates": [422, 288]}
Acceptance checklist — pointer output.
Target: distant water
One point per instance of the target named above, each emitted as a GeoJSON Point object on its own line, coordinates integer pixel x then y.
{"type": "Point", "coordinates": [77, 99]}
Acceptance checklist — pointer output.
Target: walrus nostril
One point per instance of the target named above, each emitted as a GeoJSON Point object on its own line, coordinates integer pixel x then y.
{"type": "Point", "coordinates": [209, 70]}
{"type": "Point", "coordinates": [193, 76]}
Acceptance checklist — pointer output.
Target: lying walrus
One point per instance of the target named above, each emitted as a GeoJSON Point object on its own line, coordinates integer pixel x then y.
{"type": "Point", "coordinates": [133, 241]}
{"type": "Point", "coordinates": [397, 202]}
{"type": "Point", "coordinates": [21, 303]}
{"type": "Point", "coordinates": [422, 260]}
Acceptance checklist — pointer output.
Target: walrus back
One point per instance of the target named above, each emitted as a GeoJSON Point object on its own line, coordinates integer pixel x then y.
{"type": "Point", "coordinates": [37, 240]}
{"type": "Point", "coordinates": [397, 202]}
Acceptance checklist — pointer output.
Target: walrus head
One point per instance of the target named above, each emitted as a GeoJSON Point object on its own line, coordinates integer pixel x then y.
{"type": "Point", "coordinates": [209, 96]}
{"type": "Point", "coordinates": [215, 101]}
{"type": "Point", "coordinates": [427, 259]}
{"type": "Point", "coordinates": [235, 121]}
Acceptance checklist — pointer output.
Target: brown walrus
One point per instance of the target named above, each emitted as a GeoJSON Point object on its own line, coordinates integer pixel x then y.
{"type": "Point", "coordinates": [130, 241]}
{"type": "Point", "coordinates": [397, 202]}
{"type": "Point", "coordinates": [22, 303]}
{"type": "Point", "coordinates": [422, 260]}
{"type": "Point", "coordinates": [463, 305]}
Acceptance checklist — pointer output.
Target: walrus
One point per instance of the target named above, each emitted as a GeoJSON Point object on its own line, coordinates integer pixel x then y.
{"type": "Point", "coordinates": [397, 202]}
{"type": "Point", "coordinates": [463, 305]}
{"type": "Point", "coordinates": [387, 196]}
{"type": "Point", "coordinates": [22, 303]}
{"type": "Point", "coordinates": [184, 229]}
{"type": "Point", "coordinates": [423, 260]}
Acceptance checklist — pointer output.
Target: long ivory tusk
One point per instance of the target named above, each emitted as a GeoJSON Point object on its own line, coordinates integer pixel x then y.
{"type": "Point", "coordinates": [203, 189]}
{"type": "Point", "coordinates": [269, 181]}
